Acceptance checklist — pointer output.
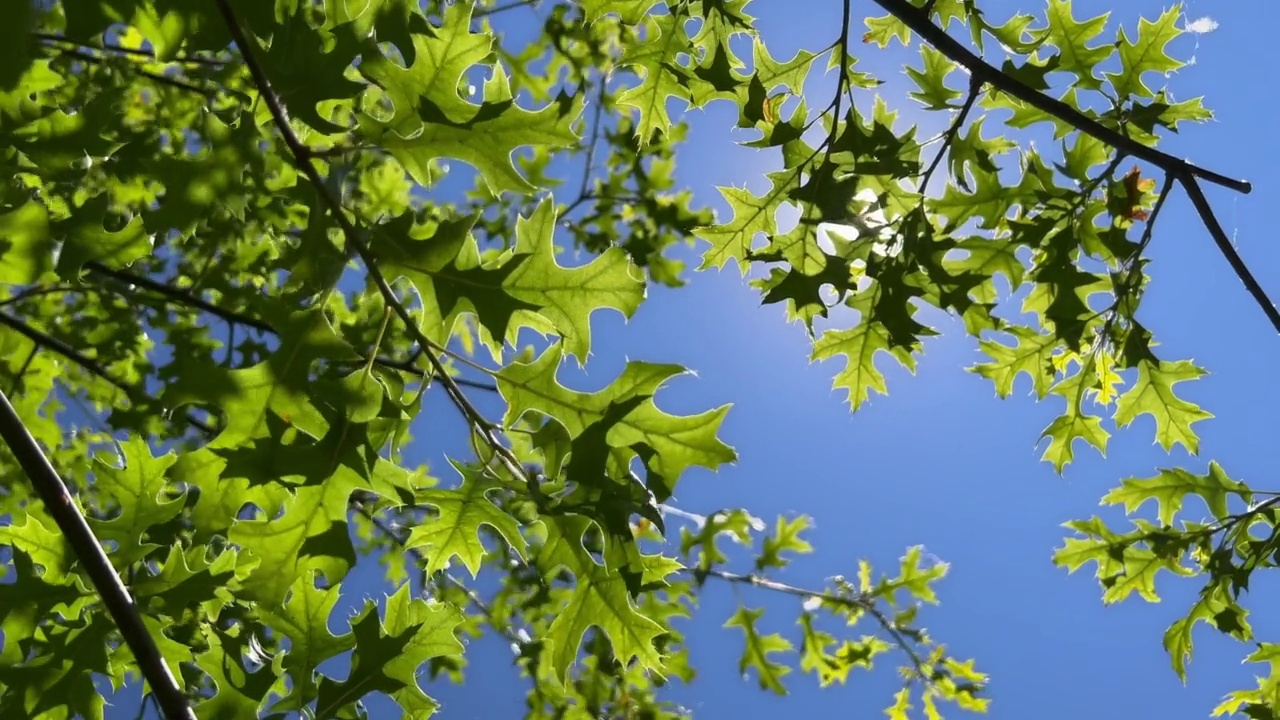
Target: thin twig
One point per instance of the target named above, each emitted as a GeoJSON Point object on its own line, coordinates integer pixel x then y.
{"type": "Point", "coordinates": [595, 139]}
{"type": "Point", "coordinates": [181, 296]}
{"type": "Point", "coordinates": [482, 12]}
{"type": "Point", "coordinates": [38, 290]}
{"type": "Point", "coordinates": [157, 77]}
{"type": "Point", "coordinates": [134, 393]}
{"type": "Point", "coordinates": [189, 299]}
{"type": "Point", "coordinates": [975, 89]}
{"type": "Point", "coordinates": [115, 596]}
{"type": "Point", "coordinates": [855, 602]}
{"type": "Point", "coordinates": [140, 52]}
{"type": "Point", "coordinates": [302, 156]}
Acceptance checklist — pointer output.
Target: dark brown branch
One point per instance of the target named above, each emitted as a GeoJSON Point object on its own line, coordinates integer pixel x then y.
{"type": "Point", "coordinates": [115, 596]}
{"type": "Point", "coordinates": [854, 602]}
{"type": "Point", "coordinates": [44, 340]}
{"type": "Point", "coordinates": [919, 22]}
{"type": "Point", "coordinates": [302, 156]}
{"type": "Point", "coordinates": [1181, 170]}
{"type": "Point", "coordinates": [975, 89]}
{"type": "Point", "coordinates": [1220, 239]}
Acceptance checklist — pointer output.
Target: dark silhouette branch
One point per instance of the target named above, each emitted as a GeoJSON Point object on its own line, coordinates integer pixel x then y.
{"type": "Point", "coordinates": [1184, 172]}
{"type": "Point", "coordinates": [180, 296]}
{"type": "Point", "coordinates": [483, 12]}
{"type": "Point", "coordinates": [975, 89]}
{"type": "Point", "coordinates": [115, 596]}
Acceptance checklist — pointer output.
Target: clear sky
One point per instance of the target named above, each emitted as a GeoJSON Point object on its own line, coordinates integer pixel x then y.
{"type": "Point", "coordinates": [940, 461]}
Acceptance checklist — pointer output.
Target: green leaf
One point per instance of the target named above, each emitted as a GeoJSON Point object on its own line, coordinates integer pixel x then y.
{"type": "Point", "coordinates": [1215, 607]}
{"type": "Point", "coordinates": [860, 346]}
{"type": "Point", "coordinates": [1170, 488]}
{"type": "Point", "coordinates": [455, 532]}
{"type": "Point", "coordinates": [389, 653]}
{"type": "Point", "coordinates": [525, 288]}
{"type": "Point", "coordinates": [677, 442]}
{"type": "Point", "coordinates": [304, 620]}
{"type": "Point", "coordinates": [1153, 395]}
{"type": "Point", "coordinates": [136, 489]}
{"type": "Point", "coordinates": [1031, 354]}
{"type": "Point", "coordinates": [599, 599]}
{"type": "Point", "coordinates": [785, 538]}
{"type": "Point", "coordinates": [769, 672]}
{"type": "Point", "coordinates": [1072, 38]}
{"type": "Point", "coordinates": [657, 62]}
{"type": "Point", "coordinates": [277, 387]}
{"type": "Point", "coordinates": [1146, 54]}
{"type": "Point", "coordinates": [26, 245]}
{"type": "Point", "coordinates": [931, 79]}
{"type": "Point", "coordinates": [86, 240]}
{"type": "Point", "coordinates": [629, 11]}
{"type": "Point", "coordinates": [432, 120]}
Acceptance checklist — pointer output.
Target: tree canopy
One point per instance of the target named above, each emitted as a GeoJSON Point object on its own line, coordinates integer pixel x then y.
{"type": "Point", "coordinates": [243, 242]}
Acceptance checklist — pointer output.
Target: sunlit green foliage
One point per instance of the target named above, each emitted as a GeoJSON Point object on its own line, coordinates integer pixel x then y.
{"type": "Point", "coordinates": [240, 239]}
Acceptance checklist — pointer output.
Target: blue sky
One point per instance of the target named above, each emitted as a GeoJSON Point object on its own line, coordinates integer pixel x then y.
{"type": "Point", "coordinates": [941, 461]}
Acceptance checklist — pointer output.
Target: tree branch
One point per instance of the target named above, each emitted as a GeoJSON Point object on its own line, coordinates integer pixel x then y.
{"type": "Point", "coordinates": [1184, 172]}
{"type": "Point", "coordinates": [189, 299]}
{"type": "Point", "coordinates": [302, 156]}
{"type": "Point", "coordinates": [482, 12]}
{"type": "Point", "coordinates": [139, 52]}
{"type": "Point", "coordinates": [115, 596]}
{"type": "Point", "coordinates": [919, 22]}
{"type": "Point", "coordinates": [135, 394]}
{"type": "Point", "coordinates": [178, 83]}
{"type": "Point", "coordinates": [181, 296]}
